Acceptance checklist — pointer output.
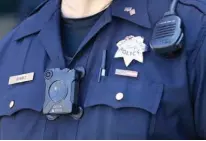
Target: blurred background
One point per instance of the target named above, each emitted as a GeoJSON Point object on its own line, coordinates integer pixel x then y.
{"type": "Point", "coordinates": [14, 11]}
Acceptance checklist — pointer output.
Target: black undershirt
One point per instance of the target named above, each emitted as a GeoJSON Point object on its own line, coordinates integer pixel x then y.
{"type": "Point", "coordinates": [74, 31]}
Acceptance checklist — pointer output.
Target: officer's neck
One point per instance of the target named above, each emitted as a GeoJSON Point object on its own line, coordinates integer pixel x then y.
{"type": "Point", "coordinates": [83, 8]}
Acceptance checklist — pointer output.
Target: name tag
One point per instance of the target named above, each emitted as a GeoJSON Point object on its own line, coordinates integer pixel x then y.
{"type": "Point", "coordinates": [127, 73]}
{"type": "Point", "coordinates": [21, 78]}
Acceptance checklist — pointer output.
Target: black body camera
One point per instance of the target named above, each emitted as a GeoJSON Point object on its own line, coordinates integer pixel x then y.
{"type": "Point", "coordinates": [61, 95]}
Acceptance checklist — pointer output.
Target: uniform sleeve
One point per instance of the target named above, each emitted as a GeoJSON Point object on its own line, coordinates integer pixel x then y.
{"type": "Point", "coordinates": [199, 85]}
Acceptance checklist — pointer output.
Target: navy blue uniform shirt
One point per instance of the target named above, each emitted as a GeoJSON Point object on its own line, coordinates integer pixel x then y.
{"type": "Point", "coordinates": [26, 7]}
{"type": "Point", "coordinates": [166, 101]}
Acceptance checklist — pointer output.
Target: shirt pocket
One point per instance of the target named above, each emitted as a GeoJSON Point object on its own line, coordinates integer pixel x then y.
{"type": "Point", "coordinates": [20, 111]}
{"type": "Point", "coordinates": [133, 113]}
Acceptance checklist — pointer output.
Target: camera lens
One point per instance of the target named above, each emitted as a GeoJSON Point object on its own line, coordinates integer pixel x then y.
{"type": "Point", "coordinates": [58, 91]}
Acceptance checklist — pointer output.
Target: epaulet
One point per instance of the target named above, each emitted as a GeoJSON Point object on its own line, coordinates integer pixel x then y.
{"type": "Point", "coordinates": [38, 7]}
{"type": "Point", "coordinates": [198, 4]}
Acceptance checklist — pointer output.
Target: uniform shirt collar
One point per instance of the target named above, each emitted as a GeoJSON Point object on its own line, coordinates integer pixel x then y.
{"type": "Point", "coordinates": [141, 17]}
{"type": "Point", "coordinates": [39, 20]}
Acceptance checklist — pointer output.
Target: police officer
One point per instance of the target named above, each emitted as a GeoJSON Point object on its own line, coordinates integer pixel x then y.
{"type": "Point", "coordinates": [143, 71]}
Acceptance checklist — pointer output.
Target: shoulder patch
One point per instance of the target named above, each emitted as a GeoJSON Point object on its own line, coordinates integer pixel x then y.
{"type": "Point", "coordinates": [198, 4]}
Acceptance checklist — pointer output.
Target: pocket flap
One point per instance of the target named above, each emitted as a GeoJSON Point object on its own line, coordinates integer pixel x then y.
{"type": "Point", "coordinates": [146, 96]}
{"type": "Point", "coordinates": [22, 96]}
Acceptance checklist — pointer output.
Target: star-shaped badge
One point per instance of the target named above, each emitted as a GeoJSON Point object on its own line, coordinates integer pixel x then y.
{"type": "Point", "coordinates": [131, 48]}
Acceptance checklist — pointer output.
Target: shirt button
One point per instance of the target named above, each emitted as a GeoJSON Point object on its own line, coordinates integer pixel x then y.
{"type": "Point", "coordinates": [119, 96]}
{"type": "Point", "coordinates": [11, 105]}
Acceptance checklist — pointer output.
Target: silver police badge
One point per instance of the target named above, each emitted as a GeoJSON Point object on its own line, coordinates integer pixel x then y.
{"type": "Point", "coordinates": [131, 48]}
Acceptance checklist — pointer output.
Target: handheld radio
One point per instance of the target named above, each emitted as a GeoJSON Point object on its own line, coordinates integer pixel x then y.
{"type": "Point", "coordinates": [168, 35]}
